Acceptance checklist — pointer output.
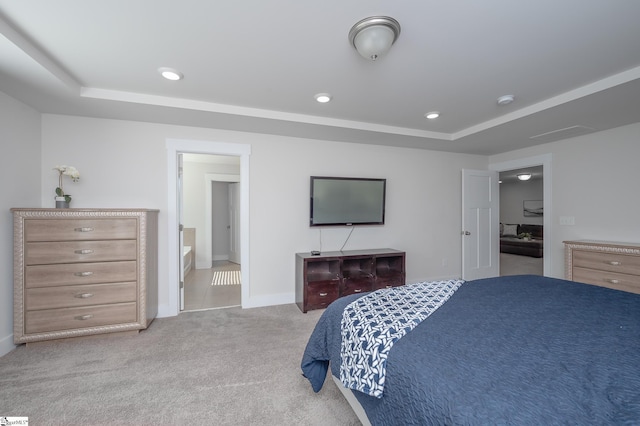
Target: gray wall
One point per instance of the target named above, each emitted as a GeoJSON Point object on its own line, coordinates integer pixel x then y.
{"type": "Point", "coordinates": [124, 164]}
{"type": "Point", "coordinates": [594, 180]}
{"type": "Point", "coordinates": [20, 172]}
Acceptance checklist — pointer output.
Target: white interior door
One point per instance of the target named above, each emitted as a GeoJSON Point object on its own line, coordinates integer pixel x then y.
{"type": "Point", "coordinates": [480, 224]}
{"type": "Point", "coordinates": [234, 222]}
{"type": "Point", "coordinates": [180, 213]}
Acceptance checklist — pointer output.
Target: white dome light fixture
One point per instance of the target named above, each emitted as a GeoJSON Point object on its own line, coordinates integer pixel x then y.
{"type": "Point", "coordinates": [323, 98]}
{"type": "Point", "coordinates": [373, 37]}
{"type": "Point", "coordinates": [432, 115]}
{"type": "Point", "coordinates": [524, 176]}
{"type": "Point", "coordinates": [170, 74]}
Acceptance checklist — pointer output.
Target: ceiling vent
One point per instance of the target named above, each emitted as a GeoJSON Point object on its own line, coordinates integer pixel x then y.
{"type": "Point", "coordinates": [566, 133]}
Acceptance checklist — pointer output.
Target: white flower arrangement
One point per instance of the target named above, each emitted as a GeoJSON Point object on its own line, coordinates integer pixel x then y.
{"type": "Point", "coordinates": [70, 171]}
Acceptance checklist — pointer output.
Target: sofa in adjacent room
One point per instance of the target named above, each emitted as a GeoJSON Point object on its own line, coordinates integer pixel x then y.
{"type": "Point", "coordinates": [510, 242]}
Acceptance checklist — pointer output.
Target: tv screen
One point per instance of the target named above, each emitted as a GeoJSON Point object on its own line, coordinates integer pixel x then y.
{"type": "Point", "coordinates": [347, 201]}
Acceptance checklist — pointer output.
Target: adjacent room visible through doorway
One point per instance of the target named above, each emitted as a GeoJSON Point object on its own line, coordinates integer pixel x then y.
{"type": "Point", "coordinates": [522, 221]}
{"type": "Point", "coordinates": [211, 221]}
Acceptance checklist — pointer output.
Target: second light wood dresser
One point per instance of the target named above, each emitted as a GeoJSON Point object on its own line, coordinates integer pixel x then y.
{"type": "Point", "coordinates": [604, 263]}
{"type": "Point", "coordinates": [80, 272]}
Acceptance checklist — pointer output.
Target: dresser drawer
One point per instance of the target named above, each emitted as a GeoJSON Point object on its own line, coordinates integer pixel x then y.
{"type": "Point", "coordinates": [79, 251]}
{"type": "Point", "coordinates": [79, 229]}
{"type": "Point", "coordinates": [80, 273]}
{"type": "Point", "coordinates": [612, 262]}
{"type": "Point", "coordinates": [74, 318]}
{"type": "Point", "coordinates": [626, 282]}
{"type": "Point", "coordinates": [69, 296]}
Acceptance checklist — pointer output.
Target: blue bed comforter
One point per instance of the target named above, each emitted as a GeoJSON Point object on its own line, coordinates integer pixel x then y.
{"type": "Point", "coordinates": [524, 350]}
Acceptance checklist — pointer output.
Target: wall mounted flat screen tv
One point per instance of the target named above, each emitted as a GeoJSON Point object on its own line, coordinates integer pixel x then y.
{"type": "Point", "coordinates": [347, 201]}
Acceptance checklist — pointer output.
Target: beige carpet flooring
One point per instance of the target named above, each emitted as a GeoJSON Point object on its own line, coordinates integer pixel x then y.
{"type": "Point", "coordinates": [216, 367]}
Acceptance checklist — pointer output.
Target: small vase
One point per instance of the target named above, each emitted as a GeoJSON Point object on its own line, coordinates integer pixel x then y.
{"type": "Point", "coordinates": [61, 203]}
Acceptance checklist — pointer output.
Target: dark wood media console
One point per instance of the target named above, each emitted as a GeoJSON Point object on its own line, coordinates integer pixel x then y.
{"type": "Point", "coordinates": [323, 278]}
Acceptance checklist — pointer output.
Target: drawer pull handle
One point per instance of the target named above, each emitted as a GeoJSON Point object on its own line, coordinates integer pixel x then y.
{"type": "Point", "coordinates": [83, 229]}
{"type": "Point", "coordinates": [323, 294]}
{"type": "Point", "coordinates": [83, 295]}
{"type": "Point", "coordinates": [357, 290]}
{"type": "Point", "coordinates": [612, 281]}
{"type": "Point", "coordinates": [84, 317]}
{"type": "Point", "coordinates": [615, 263]}
{"type": "Point", "coordinates": [82, 274]}
{"type": "Point", "coordinates": [83, 251]}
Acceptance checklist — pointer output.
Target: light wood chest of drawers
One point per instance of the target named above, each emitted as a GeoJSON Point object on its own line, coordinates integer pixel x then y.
{"type": "Point", "coordinates": [604, 263]}
{"type": "Point", "coordinates": [80, 272]}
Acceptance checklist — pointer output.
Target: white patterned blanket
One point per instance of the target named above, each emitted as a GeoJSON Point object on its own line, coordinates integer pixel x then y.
{"type": "Point", "coordinates": [373, 323]}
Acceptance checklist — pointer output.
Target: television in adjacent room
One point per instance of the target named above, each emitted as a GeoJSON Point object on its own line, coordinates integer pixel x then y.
{"type": "Point", "coordinates": [347, 201]}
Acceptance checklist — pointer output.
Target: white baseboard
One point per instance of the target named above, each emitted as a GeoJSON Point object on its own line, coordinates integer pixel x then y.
{"type": "Point", "coordinates": [270, 300]}
{"type": "Point", "coordinates": [6, 345]}
{"type": "Point", "coordinates": [164, 311]}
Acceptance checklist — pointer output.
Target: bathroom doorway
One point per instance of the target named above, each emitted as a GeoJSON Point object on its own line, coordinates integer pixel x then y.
{"type": "Point", "coordinates": [211, 234]}
{"type": "Point", "coordinates": [176, 147]}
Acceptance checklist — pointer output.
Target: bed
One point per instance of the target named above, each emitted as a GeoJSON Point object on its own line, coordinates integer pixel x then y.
{"type": "Point", "coordinates": [518, 350]}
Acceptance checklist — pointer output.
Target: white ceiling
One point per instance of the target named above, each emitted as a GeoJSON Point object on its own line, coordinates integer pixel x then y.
{"type": "Point", "coordinates": [254, 65]}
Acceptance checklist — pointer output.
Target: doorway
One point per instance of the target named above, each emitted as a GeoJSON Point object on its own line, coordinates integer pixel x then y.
{"type": "Point", "coordinates": [521, 221]}
{"type": "Point", "coordinates": [175, 147]}
{"type": "Point", "coordinates": [545, 162]}
{"type": "Point", "coordinates": [211, 235]}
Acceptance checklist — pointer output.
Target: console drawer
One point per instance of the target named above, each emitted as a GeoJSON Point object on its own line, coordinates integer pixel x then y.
{"type": "Point", "coordinates": [321, 293]}
{"type": "Point", "coordinates": [389, 281]}
{"type": "Point", "coordinates": [77, 318]}
{"type": "Point", "coordinates": [79, 295]}
{"type": "Point", "coordinates": [357, 285]}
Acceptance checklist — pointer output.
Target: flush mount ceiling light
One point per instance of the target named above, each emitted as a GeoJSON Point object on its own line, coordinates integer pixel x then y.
{"type": "Point", "coordinates": [432, 115]}
{"type": "Point", "coordinates": [372, 37]}
{"type": "Point", "coordinates": [323, 98]}
{"type": "Point", "coordinates": [505, 100]}
{"type": "Point", "coordinates": [524, 176]}
{"type": "Point", "coordinates": [170, 74]}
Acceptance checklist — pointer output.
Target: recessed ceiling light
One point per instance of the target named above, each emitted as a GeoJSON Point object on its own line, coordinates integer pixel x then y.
{"type": "Point", "coordinates": [432, 115]}
{"type": "Point", "coordinates": [505, 100]}
{"type": "Point", "coordinates": [170, 74]}
{"type": "Point", "coordinates": [323, 98]}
